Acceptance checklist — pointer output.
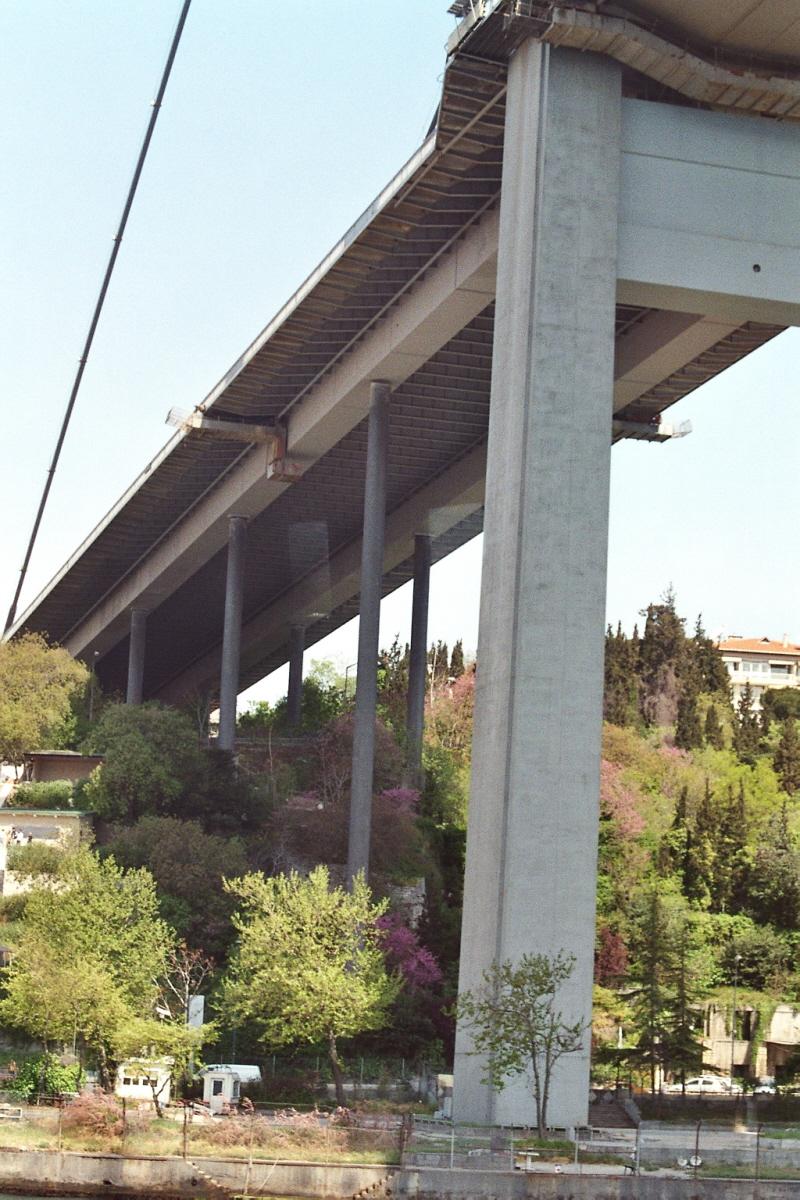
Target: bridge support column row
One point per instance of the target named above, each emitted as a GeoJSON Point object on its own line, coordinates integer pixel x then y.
{"type": "Point", "coordinates": [533, 820]}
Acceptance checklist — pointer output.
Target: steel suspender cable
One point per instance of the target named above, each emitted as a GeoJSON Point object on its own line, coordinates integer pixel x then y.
{"type": "Point", "coordinates": [98, 308]}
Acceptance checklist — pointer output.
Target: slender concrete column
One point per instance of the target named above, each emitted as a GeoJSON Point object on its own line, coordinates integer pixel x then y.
{"type": "Point", "coordinates": [533, 822]}
{"type": "Point", "coordinates": [136, 651]}
{"type": "Point", "coordinates": [418, 659]}
{"type": "Point", "coordinates": [294, 699]}
{"type": "Point", "coordinates": [368, 632]}
{"type": "Point", "coordinates": [231, 634]}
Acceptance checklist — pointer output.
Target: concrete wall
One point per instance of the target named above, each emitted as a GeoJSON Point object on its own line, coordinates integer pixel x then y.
{"type": "Point", "coordinates": [427, 1184]}
{"type": "Point", "coordinates": [72, 1174]}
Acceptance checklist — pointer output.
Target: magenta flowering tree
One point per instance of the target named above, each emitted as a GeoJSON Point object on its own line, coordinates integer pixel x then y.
{"type": "Point", "coordinates": [402, 799]}
{"type": "Point", "coordinates": [405, 953]}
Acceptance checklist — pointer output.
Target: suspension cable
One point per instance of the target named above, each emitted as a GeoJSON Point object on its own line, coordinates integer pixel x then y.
{"type": "Point", "coordinates": [98, 308]}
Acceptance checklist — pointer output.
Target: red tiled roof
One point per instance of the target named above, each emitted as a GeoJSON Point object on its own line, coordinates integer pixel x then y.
{"type": "Point", "coordinates": [757, 646]}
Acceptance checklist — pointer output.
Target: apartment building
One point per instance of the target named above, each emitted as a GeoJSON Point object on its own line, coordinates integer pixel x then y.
{"type": "Point", "coordinates": [761, 662]}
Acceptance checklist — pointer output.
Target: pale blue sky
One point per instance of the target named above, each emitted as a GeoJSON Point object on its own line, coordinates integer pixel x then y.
{"type": "Point", "coordinates": [281, 123]}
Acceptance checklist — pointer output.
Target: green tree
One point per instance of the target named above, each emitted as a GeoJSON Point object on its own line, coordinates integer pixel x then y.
{"type": "Point", "coordinates": [307, 966]}
{"type": "Point", "coordinates": [457, 666]}
{"type": "Point", "coordinates": [38, 684]}
{"type": "Point", "coordinates": [140, 1040]}
{"type": "Point", "coordinates": [787, 757]}
{"type": "Point", "coordinates": [774, 894]}
{"type": "Point", "coordinates": [89, 955]}
{"type": "Point", "coordinates": [621, 686]}
{"type": "Point", "coordinates": [713, 732]}
{"type": "Point", "coordinates": [653, 948]}
{"type": "Point", "coordinates": [778, 704]}
{"type": "Point", "coordinates": [746, 732]}
{"type": "Point", "coordinates": [682, 1049]}
{"type": "Point", "coordinates": [393, 667]}
{"type": "Point", "coordinates": [688, 731]}
{"type": "Point", "coordinates": [705, 663]}
{"type": "Point", "coordinates": [662, 656]}
{"type": "Point", "coordinates": [188, 866]}
{"type": "Point", "coordinates": [517, 1026]}
{"type": "Point", "coordinates": [152, 761]}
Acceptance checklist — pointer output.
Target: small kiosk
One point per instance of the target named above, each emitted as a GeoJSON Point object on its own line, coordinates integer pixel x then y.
{"type": "Point", "coordinates": [222, 1084]}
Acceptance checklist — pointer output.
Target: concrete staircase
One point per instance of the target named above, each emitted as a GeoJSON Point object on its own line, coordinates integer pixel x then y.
{"type": "Point", "coordinates": [609, 1115]}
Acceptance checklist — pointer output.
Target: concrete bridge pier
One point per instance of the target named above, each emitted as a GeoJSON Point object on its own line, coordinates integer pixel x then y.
{"type": "Point", "coordinates": [136, 652]}
{"type": "Point", "coordinates": [418, 659]}
{"type": "Point", "coordinates": [232, 633]}
{"type": "Point", "coordinates": [294, 697]}
{"type": "Point", "coordinates": [368, 631]}
{"type": "Point", "coordinates": [533, 822]}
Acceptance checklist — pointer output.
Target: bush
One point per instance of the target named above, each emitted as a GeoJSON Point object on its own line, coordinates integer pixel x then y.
{"type": "Point", "coordinates": [44, 1074]}
{"type": "Point", "coordinates": [36, 858]}
{"type": "Point", "coordinates": [56, 793]}
{"type": "Point", "coordinates": [96, 1113]}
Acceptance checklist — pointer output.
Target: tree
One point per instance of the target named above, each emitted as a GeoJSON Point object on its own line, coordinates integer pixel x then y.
{"type": "Point", "coordinates": [662, 656]}
{"type": "Point", "coordinates": [787, 757]}
{"type": "Point", "coordinates": [774, 894]}
{"type": "Point", "coordinates": [746, 733]}
{"type": "Point", "coordinates": [141, 1040]}
{"type": "Point", "coordinates": [38, 683]}
{"type": "Point", "coordinates": [517, 1026]}
{"type": "Point", "coordinates": [705, 663]}
{"type": "Point", "coordinates": [91, 950]}
{"type": "Point", "coordinates": [688, 731]}
{"type": "Point", "coordinates": [713, 732]}
{"type": "Point", "coordinates": [152, 760]}
{"type": "Point", "coordinates": [457, 666]}
{"type": "Point", "coordinates": [621, 687]}
{"type": "Point", "coordinates": [778, 704]}
{"type": "Point", "coordinates": [188, 866]}
{"type": "Point", "coordinates": [307, 966]}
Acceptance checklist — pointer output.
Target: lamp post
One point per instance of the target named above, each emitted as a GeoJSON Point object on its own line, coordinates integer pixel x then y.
{"type": "Point", "coordinates": [737, 958]}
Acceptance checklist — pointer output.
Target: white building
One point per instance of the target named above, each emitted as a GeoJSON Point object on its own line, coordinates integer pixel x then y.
{"type": "Point", "coordinates": [762, 663]}
{"type": "Point", "coordinates": [138, 1079]}
{"type": "Point", "coordinates": [22, 826]}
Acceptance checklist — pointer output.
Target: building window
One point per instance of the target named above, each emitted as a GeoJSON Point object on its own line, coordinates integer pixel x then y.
{"type": "Point", "coordinates": [216, 1087]}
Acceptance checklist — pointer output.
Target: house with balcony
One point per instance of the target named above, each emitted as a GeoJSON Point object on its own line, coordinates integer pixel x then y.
{"type": "Point", "coordinates": [761, 662]}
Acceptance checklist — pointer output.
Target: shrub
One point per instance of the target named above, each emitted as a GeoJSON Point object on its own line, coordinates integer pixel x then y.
{"type": "Point", "coordinates": [36, 858]}
{"type": "Point", "coordinates": [43, 1073]}
{"type": "Point", "coordinates": [55, 793]}
{"type": "Point", "coordinates": [96, 1113]}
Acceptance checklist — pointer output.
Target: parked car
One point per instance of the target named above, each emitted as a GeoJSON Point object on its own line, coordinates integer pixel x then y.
{"type": "Point", "coordinates": [704, 1085]}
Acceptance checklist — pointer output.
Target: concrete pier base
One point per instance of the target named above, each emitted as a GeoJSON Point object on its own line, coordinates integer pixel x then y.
{"type": "Point", "coordinates": [533, 822]}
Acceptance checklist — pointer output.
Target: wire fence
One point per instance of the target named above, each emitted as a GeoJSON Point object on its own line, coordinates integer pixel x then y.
{"type": "Point", "coordinates": [765, 1151]}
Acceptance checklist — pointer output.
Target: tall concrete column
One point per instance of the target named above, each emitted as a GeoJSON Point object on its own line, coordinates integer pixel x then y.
{"type": "Point", "coordinates": [136, 652]}
{"type": "Point", "coordinates": [418, 658]}
{"type": "Point", "coordinates": [294, 699]}
{"type": "Point", "coordinates": [533, 821]}
{"type": "Point", "coordinates": [231, 633]}
{"type": "Point", "coordinates": [368, 632]}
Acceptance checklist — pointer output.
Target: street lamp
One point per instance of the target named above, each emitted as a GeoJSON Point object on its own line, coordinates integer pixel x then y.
{"type": "Point", "coordinates": [737, 958]}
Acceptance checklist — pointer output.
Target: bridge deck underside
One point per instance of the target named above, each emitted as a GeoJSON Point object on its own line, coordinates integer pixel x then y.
{"type": "Point", "coordinates": [439, 415]}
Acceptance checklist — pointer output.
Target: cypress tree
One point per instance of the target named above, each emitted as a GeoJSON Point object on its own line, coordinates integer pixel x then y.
{"type": "Point", "coordinates": [747, 735]}
{"type": "Point", "coordinates": [714, 735]}
{"type": "Point", "coordinates": [457, 660]}
{"type": "Point", "coordinates": [620, 694]}
{"type": "Point", "coordinates": [688, 731]}
{"type": "Point", "coordinates": [662, 656]}
{"type": "Point", "coordinates": [787, 757]}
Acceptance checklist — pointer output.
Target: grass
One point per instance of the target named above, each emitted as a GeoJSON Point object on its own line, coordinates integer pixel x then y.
{"type": "Point", "coordinates": [164, 1138]}
{"type": "Point", "coordinates": [728, 1171]}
